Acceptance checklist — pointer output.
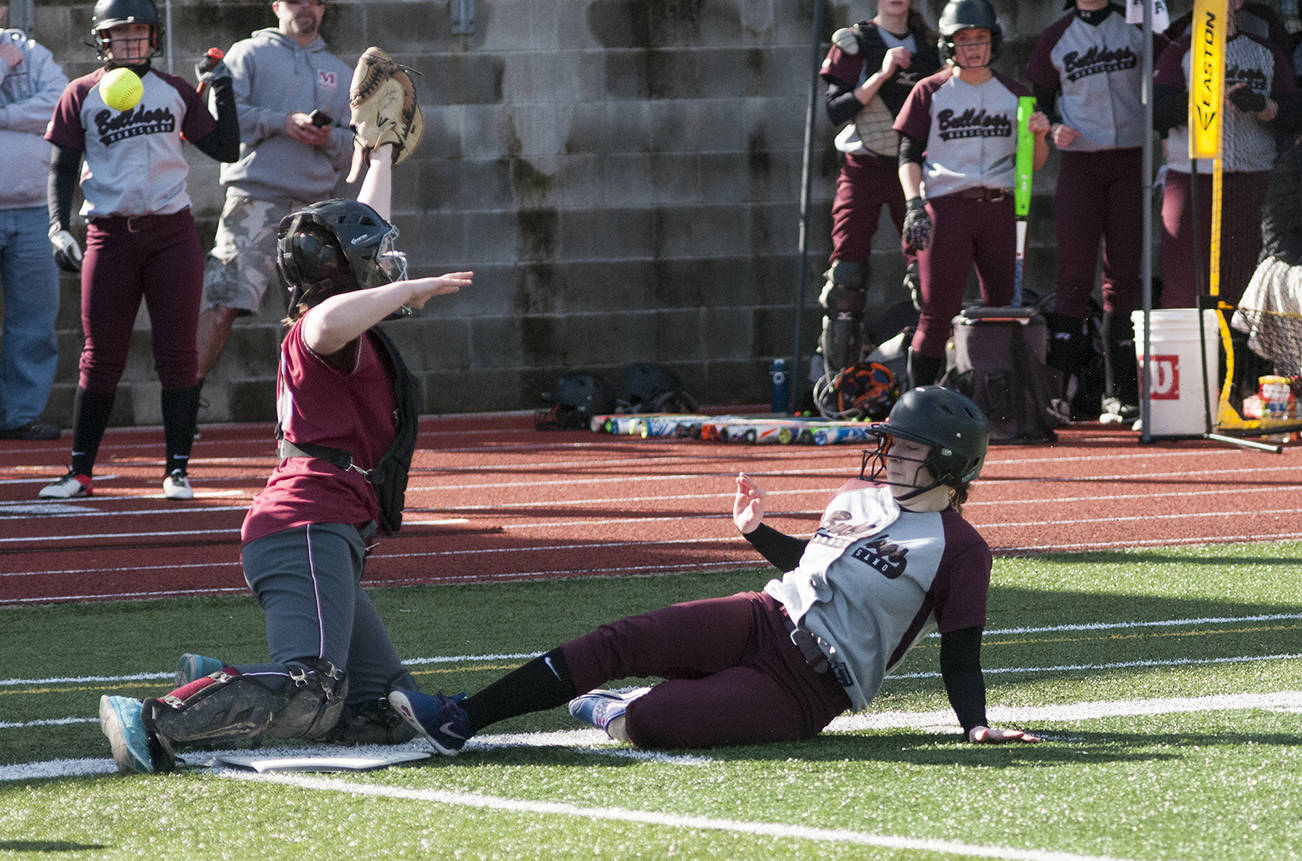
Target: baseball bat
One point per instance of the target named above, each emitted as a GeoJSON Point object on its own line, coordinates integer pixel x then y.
{"type": "Point", "coordinates": [1022, 187]}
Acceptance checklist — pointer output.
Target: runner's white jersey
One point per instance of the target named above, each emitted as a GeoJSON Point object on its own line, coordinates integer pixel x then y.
{"type": "Point", "coordinates": [969, 131]}
{"type": "Point", "coordinates": [875, 579]}
{"type": "Point", "coordinates": [134, 164]}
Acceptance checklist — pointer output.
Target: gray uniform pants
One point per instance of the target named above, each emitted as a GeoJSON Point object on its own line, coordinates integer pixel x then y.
{"type": "Point", "coordinates": [308, 581]}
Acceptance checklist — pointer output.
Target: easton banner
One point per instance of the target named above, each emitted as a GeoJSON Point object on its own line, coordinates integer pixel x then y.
{"type": "Point", "coordinates": [1207, 78]}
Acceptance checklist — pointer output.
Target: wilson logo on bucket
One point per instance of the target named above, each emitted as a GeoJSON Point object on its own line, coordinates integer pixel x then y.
{"type": "Point", "coordinates": [1164, 377]}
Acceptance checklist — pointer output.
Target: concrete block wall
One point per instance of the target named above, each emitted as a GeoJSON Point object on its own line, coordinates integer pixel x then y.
{"type": "Point", "coordinates": [624, 176]}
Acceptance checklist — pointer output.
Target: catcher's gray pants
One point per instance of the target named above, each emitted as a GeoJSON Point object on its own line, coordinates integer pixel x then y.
{"type": "Point", "coordinates": [308, 581]}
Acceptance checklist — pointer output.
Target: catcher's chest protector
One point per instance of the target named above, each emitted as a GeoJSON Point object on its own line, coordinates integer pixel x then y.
{"type": "Point", "coordinates": [997, 360]}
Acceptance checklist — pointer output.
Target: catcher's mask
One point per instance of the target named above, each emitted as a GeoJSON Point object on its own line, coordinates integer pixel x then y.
{"type": "Point", "coordinates": [576, 398]}
{"type": "Point", "coordinates": [959, 15]}
{"type": "Point", "coordinates": [944, 419]}
{"type": "Point", "coordinates": [865, 390]}
{"type": "Point", "coordinates": [111, 13]}
{"type": "Point", "coordinates": [336, 246]}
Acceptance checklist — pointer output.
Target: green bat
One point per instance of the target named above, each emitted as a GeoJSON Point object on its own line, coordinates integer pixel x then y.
{"type": "Point", "coordinates": [1022, 186]}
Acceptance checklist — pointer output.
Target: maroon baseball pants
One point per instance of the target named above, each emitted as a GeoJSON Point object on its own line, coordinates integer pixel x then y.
{"type": "Point", "coordinates": [732, 674]}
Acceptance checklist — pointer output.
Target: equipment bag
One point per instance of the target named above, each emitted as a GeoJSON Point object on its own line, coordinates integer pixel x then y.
{"type": "Point", "coordinates": [998, 362]}
{"type": "Point", "coordinates": [389, 475]}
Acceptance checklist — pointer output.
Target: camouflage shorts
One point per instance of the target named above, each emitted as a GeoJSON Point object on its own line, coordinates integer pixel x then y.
{"type": "Point", "coordinates": [242, 262]}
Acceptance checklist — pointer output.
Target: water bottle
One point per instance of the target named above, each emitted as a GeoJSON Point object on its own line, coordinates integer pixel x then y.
{"type": "Point", "coordinates": [779, 386]}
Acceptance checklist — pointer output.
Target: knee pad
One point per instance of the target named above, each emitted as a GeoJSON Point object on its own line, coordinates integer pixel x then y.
{"type": "Point", "coordinates": [230, 707]}
{"type": "Point", "coordinates": [843, 291]}
{"type": "Point", "coordinates": [843, 299]}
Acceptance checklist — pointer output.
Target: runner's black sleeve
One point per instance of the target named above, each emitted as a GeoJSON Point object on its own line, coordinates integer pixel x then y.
{"type": "Point", "coordinates": [960, 667]}
{"type": "Point", "coordinates": [781, 550]}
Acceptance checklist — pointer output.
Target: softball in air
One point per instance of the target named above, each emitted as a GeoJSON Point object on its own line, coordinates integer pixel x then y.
{"type": "Point", "coordinates": [121, 89]}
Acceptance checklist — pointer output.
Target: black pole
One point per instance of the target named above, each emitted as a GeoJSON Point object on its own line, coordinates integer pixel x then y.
{"type": "Point", "coordinates": [806, 179]}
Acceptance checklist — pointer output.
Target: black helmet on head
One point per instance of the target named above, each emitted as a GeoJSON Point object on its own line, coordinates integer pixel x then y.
{"type": "Point", "coordinates": [336, 246]}
{"type": "Point", "coordinates": [111, 13]}
{"type": "Point", "coordinates": [959, 15]}
{"type": "Point", "coordinates": [944, 419]}
{"type": "Point", "coordinates": [646, 387]}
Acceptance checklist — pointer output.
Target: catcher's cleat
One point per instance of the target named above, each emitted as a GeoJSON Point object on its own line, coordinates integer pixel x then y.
{"type": "Point", "coordinates": [384, 109]}
{"type": "Point", "coordinates": [121, 720]}
{"type": "Point", "coordinates": [440, 719]}
{"type": "Point", "coordinates": [191, 667]}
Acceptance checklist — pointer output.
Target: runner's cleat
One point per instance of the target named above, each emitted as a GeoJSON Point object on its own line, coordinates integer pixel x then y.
{"type": "Point", "coordinates": [440, 719]}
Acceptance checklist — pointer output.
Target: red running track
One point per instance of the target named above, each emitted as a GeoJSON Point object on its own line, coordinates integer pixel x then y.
{"type": "Point", "coordinates": [490, 498]}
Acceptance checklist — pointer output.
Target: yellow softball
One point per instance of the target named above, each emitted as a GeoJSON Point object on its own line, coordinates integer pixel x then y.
{"type": "Point", "coordinates": [121, 89]}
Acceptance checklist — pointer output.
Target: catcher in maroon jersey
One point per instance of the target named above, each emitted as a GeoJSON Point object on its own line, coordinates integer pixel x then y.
{"type": "Point", "coordinates": [869, 71]}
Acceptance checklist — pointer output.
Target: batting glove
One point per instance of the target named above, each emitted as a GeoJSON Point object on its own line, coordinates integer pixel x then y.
{"type": "Point", "coordinates": [1248, 100]}
{"type": "Point", "coordinates": [210, 75]}
{"type": "Point", "coordinates": [917, 225]}
{"type": "Point", "coordinates": [67, 253]}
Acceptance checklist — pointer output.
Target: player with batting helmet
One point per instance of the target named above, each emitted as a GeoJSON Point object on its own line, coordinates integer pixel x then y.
{"type": "Point", "coordinates": [892, 560]}
{"type": "Point", "coordinates": [141, 241]}
{"type": "Point", "coordinates": [958, 135]}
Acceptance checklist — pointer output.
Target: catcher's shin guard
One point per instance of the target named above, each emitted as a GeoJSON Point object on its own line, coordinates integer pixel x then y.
{"type": "Point", "coordinates": [843, 300]}
{"type": "Point", "coordinates": [383, 106]}
{"type": "Point", "coordinates": [232, 707]}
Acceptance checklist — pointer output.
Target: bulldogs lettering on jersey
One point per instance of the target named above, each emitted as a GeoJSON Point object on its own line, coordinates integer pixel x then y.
{"type": "Point", "coordinates": [947, 113]}
{"type": "Point", "coordinates": [1246, 145]}
{"type": "Point", "coordinates": [1096, 68]}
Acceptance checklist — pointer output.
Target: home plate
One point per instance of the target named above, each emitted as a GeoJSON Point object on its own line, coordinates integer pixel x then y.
{"type": "Point", "coordinates": [263, 764]}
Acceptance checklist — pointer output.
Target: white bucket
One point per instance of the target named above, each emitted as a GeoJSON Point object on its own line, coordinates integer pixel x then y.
{"type": "Point", "coordinates": [1179, 402]}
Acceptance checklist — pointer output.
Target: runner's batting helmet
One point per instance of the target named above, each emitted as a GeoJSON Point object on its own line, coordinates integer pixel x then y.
{"type": "Point", "coordinates": [111, 13]}
{"type": "Point", "coordinates": [336, 246]}
{"type": "Point", "coordinates": [959, 15]}
{"type": "Point", "coordinates": [944, 419]}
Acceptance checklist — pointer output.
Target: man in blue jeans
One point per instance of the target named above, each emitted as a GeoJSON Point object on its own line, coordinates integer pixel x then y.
{"type": "Point", "coordinates": [30, 84]}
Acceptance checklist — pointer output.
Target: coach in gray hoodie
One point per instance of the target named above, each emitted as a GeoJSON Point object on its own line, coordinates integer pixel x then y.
{"type": "Point", "coordinates": [295, 141]}
{"type": "Point", "coordinates": [30, 84]}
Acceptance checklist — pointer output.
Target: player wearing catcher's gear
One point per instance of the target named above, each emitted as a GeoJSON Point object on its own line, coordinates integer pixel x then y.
{"type": "Point", "coordinates": [869, 71]}
{"type": "Point", "coordinates": [141, 242]}
{"type": "Point", "coordinates": [958, 135]}
{"type": "Point", "coordinates": [1261, 99]}
{"type": "Point", "coordinates": [305, 536]}
{"type": "Point", "coordinates": [1087, 77]}
{"type": "Point", "coordinates": [892, 560]}
{"type": "Point", "coordinates": [292, 100]}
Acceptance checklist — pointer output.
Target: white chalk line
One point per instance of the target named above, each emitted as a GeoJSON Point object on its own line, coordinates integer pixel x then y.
{"type": "Point", "coordinates": [778, 830]}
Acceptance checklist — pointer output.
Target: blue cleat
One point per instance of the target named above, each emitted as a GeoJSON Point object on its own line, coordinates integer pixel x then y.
{"type": "Point", "coordinates": [440, 719]}
{"type": "Point", "coordinates": [191, 667]}
{"type": "Point", "coordinates": [120, 719]}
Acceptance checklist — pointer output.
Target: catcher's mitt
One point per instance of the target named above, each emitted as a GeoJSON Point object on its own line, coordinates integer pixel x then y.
{"type": "Point", "coordinates": [384, 109]}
